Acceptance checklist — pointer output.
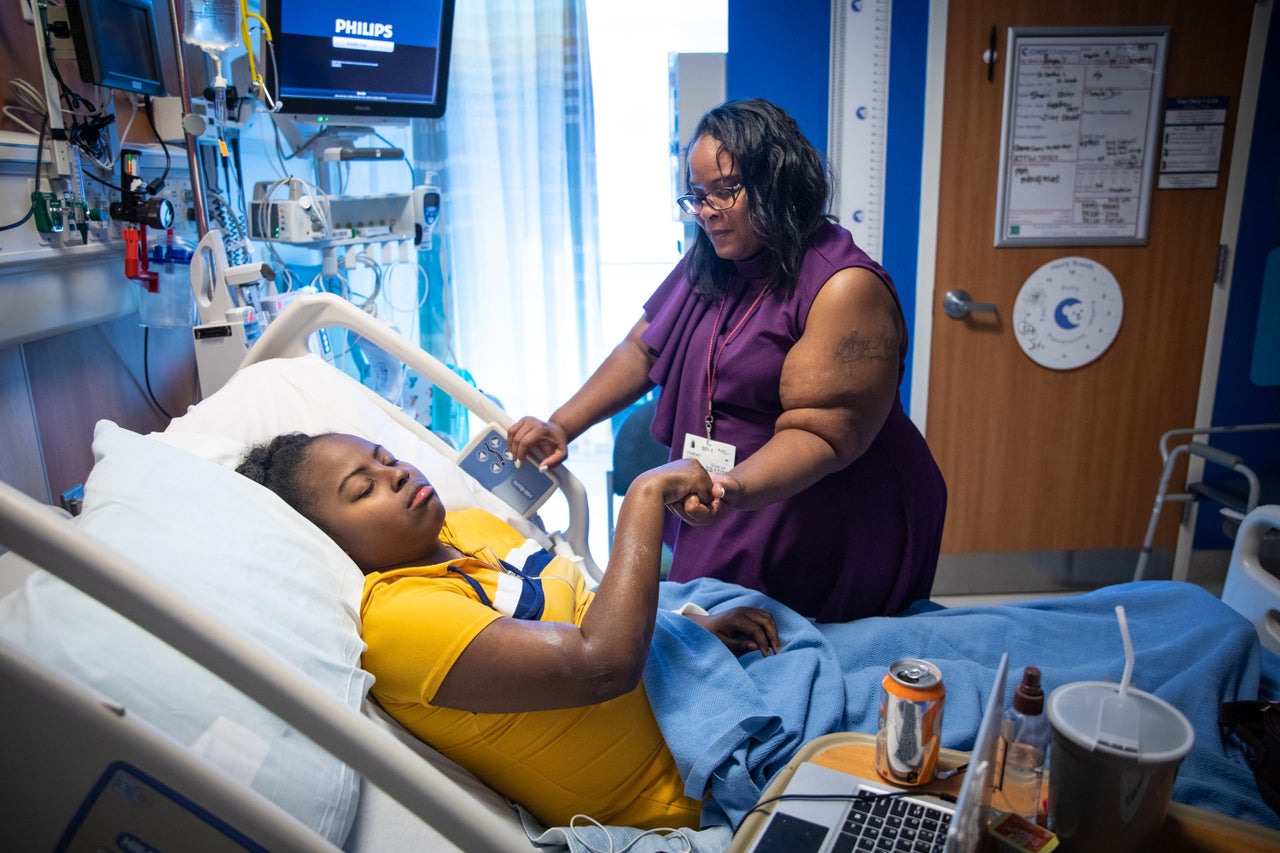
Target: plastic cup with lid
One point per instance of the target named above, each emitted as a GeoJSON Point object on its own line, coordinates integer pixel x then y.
{"type": "Point", "coordinates": [1110, 789]}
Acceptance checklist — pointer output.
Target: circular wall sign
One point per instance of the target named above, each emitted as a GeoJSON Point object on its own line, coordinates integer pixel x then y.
{"type": "Point", "coordinates": [1067, 313]}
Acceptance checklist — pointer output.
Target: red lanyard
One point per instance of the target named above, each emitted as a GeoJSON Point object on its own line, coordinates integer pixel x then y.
{"type": "Point", "coordinates": [714, 362]}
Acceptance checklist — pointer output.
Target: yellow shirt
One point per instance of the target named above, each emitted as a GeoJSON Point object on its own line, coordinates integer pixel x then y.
{"type": "Point", "coordinates": [608, 761]}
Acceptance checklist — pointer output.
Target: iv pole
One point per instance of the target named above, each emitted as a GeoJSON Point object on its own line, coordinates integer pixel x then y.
{"type": "Point", "coordinates": [193, 147]}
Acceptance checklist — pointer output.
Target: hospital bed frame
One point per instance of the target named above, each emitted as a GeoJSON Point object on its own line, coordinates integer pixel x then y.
{"type": "Point", "coordinates": [30, 691]}
{"type": "Point", "coordinates": [287, 336]}
{"type": "Point", "coordinates": [1252, 587]}
{"type": "Point", "coordinates": [29, 529]}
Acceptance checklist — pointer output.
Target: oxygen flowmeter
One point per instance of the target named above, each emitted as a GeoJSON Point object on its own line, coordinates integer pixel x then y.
{"type": "Point", "coordinates": [134, 208]}
{"type": "Point", "coordinates": [136, 212]}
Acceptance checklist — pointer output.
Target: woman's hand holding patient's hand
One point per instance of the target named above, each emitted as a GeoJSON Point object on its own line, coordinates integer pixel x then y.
{"type": "Point", "coordinates": [694, 511]}
{"type": "Point", "coordinates": [680, 481]}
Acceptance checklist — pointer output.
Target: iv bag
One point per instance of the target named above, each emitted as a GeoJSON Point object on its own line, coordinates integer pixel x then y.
{"type": "Point", "coordinates": [212, 24]}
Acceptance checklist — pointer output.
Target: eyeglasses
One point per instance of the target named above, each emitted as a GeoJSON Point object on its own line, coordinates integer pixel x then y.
{"type": "Point", "coordinates": [718, 199]}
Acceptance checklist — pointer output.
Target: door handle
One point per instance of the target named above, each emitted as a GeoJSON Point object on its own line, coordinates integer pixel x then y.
{"type": "Point", "coordinates": [958, 304]}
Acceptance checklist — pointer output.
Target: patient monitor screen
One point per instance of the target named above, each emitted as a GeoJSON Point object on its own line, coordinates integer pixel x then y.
{"type": "Point", "coordinates": [371, 58]}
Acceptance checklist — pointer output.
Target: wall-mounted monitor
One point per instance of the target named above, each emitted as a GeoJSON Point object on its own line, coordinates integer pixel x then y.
{"type": "Point", "coordinates": [116, 44]}
{"type": "Point", "coordinates": [376, 59]}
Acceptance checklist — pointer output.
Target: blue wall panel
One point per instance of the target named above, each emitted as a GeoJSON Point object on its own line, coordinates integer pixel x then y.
{"type": "Point", "coordinates": [908, 62]}
{"type": "Point", "coordinates": [782, 52]}
{"type": "Point", "coordinates": [1238, 399]}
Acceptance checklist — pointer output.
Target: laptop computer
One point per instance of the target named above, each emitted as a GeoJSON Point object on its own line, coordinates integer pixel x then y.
{"type": "Point", "coordinates": [921, 823]}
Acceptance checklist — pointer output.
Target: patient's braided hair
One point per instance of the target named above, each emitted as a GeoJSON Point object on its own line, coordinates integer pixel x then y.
{"type": "Point", "coordinates": [275, 464]}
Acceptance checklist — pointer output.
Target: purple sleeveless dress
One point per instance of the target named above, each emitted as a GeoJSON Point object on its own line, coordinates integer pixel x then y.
{"type": "Point", "coordinates": [861, 542]}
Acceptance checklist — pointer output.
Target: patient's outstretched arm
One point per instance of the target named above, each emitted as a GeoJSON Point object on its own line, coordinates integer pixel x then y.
{"type": "Point", "coordinates": [515, 665]}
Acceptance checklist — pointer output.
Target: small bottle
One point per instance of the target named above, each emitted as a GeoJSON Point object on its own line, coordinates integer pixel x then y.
{"type": "Point", "coordinates": [1022, 750]}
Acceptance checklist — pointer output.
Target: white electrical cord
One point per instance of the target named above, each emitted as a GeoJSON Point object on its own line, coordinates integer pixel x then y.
{"type": "Point", "coordinates": [668, 833]}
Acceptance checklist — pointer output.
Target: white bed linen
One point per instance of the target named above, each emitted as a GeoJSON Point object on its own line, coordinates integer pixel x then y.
{"type": "Point", "coordinates": [237, 551]}
{"type": "Point", "coordinates": [234, 547]}
{"type": "Point", "coordinates": [306, 394]}
{"type": "Point", "coordinates": [187, 513]}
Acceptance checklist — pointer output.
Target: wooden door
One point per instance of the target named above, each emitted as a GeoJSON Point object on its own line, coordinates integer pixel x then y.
{"type": "Point", "coordinates": [1038, 459]}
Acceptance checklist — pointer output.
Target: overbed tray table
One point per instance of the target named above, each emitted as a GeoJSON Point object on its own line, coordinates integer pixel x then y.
{"type": "Point", "coordinates": [1187, 829]}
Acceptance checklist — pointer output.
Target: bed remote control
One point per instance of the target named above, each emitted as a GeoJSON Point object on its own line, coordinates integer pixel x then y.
{"type": "Point", "coordinates": [487, 459]}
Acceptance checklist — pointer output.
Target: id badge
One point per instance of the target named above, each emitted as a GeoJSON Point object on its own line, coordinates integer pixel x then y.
{"type": "Point", "coordinates": [715, 456]}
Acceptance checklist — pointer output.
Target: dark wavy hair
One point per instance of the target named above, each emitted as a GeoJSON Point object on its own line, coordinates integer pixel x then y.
{"type": "Point", "coordinates": [275, 464]}
{"type": "Point", "coordinates": [787, 191]}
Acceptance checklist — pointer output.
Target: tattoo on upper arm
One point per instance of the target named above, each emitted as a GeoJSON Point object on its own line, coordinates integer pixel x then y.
{"type": "Point", "coordinates": [855, 347]}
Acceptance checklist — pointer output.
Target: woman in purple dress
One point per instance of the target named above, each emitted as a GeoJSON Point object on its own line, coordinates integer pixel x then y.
{"type": "Point", "coordinates": [779, 346]}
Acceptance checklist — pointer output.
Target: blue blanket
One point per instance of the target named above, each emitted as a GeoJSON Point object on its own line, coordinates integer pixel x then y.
{"type": "Point", "coordinates": [732, 723]}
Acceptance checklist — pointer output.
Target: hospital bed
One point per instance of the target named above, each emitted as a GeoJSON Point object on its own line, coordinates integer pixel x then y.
{"type": "Point", "coordinates": [111, 725]}
{"type": "Point", "coordinates": [218, 527]}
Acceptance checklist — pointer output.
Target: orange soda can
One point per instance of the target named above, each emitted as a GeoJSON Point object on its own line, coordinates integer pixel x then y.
{"type": "Point", "coordinates": [910, 728]}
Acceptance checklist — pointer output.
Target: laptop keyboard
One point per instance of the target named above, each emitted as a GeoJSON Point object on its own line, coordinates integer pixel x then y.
{"type": "Point", "coordinates": [893, 824]}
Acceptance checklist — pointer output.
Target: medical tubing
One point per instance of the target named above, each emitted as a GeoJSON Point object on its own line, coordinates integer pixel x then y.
{"type": "Point", "coordinates": [28, 101]}
{"type": "Point", "coordinates": [237, 248]}
{"type": "Point", "coordinates": [39, 161]}
{"type": "Point", "coordinates": [219, 99]}
{"type": "Point", "coordinates": [369, 303]}
{"type": "Point", "coordinates": [149, 108]}
{"type": "Point", "coordinates": [146, 370]}
{"type": "Point", "coordinates": [245, 16]}
{"type": "Point", "coordinates": [422, 276]}
{"type": "Point", "coordinates": [30, 212]}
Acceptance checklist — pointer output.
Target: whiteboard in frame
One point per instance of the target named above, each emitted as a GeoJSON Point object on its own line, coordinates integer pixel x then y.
{"type": "Point", "coordinates": [1079, 136]}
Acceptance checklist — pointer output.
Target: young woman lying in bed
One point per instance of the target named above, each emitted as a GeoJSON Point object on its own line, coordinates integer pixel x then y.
{"type": "Point", "coordinates": [495, 653]}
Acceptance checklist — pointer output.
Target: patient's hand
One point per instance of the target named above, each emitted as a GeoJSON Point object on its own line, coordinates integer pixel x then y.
{"type": "Point", "coordinates": [724, 493]}
{"type": "Point", "coordinates": [546, 440]}
{"type": "Point", "coordinates": [743, 629]}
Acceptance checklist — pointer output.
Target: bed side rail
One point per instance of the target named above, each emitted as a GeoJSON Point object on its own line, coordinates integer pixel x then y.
{"type": "Point", "coordinates": [1251, 589]}
{"type": "Point", "coordinates": [91, 770]}
{"type": "Point", "coordinates": [286, 337]}
{"type": "Point", "coordinates": [30, 530]}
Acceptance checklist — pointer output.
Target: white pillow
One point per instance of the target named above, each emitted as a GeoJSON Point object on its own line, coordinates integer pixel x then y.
{"type": "Point", "coordinates": [306, 394]}
{"type": "Point", "coordinates": [235, 549]}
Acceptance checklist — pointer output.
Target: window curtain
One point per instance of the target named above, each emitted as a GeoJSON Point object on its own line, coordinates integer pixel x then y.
{"type": "Point", "coordinates": [514, 263]}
